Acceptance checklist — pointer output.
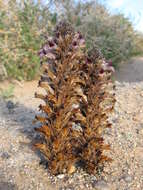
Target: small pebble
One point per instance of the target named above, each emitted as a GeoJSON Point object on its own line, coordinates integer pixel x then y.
{"type": "Point", "coordinates": [61, 176]}
{"type": "Point", "coordinates": [128, 178]}
{"type": "Point", "coordinates": [101, 185]}
{"type": "Point", "coordinates": [7, 186]}
{"type": "Point", "coordinates": [5, 155]}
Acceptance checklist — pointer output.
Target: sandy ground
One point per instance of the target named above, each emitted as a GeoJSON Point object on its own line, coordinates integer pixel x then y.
{"type": "Point", "coordinates": [19, 164]}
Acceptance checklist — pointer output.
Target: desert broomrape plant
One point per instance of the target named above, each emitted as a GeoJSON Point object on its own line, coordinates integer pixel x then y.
{"type": "Point", "coordinates": [78, 101]}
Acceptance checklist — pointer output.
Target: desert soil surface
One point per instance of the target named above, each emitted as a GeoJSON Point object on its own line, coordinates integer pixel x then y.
{"type": "Point", "coordinates": [19, 163]}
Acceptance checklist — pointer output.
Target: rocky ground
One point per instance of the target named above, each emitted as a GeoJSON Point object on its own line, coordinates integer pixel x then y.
{"type": "Point", "coordinates": [19, 164]}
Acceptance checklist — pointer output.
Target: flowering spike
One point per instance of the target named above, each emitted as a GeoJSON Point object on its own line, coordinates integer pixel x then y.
{"type": "Point", "coordinates": [77, 102]}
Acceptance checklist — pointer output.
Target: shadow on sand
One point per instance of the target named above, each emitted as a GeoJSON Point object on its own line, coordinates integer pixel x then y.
{"type": "Point", "coordinates": [131, 72]}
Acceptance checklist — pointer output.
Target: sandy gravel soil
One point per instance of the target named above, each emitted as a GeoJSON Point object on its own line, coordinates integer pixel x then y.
{"type": "Point", "coordinates": [19, 164]}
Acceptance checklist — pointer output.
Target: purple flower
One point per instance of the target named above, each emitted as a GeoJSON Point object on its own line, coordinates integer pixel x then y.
{"type": "Point", "coordinates": [80, 36]}
{"type": "Point", "coordinates": [51, 43]}
{"type": "Point", "coordinates": [41, 53]}
{"type": "Point", "coordinates": [109, 63]}
{"type": "Point", "coordinates": [108, 67]}
{"type": "Point", "coordinates": [82, 42]}
{"type": "Point", "coordinates": [88, 60]}
{"type": "Point", "coordinates": [101, 71]}
{"type": "Point", "coordinates": [74, 43]}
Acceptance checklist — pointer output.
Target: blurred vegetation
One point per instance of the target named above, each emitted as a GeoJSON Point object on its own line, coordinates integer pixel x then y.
{"type": "Point", "coordinates": [21, 28]}
{"type": "Point", "coordinates": [24, 23]}
{"type": "Point", "coordinates": [7, 93]}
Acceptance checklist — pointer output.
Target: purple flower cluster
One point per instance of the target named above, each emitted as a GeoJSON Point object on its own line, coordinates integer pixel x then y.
{"type": "Point", "coordinates": [62, 31]}
{"type": "Point", "coordinates": [50, 49]}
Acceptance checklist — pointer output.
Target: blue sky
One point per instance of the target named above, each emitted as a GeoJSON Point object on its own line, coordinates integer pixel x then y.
{"type": "Point", "coordinates": [130, 8]}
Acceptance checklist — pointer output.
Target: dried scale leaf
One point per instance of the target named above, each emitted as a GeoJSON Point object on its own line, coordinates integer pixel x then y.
{"type": "Point", "coordinates": [77, 84]}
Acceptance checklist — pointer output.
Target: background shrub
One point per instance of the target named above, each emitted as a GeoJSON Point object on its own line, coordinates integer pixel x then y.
{"type": "Point", "coordinates": [22, 26]}
{"type": "Point", "coordinates": [114, 34]}
{"type": "Point", "coordinates": [24, 23]}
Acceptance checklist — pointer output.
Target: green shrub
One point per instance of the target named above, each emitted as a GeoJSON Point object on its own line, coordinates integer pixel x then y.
{"type": "Point", "coordinates": [7, 93]}
{"type": "Point", "coordinates": [114, 34]}
{"type": "Point", "coordinates": [21, 37]}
